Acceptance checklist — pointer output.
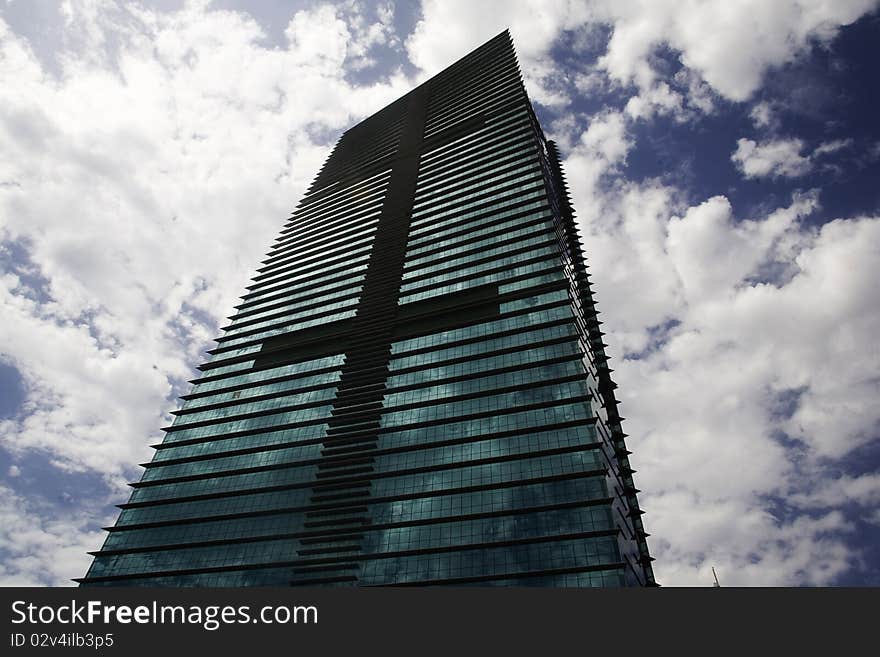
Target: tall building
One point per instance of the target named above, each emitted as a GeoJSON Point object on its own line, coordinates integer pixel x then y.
{"type": "Point", "coordinates": [414, 389]}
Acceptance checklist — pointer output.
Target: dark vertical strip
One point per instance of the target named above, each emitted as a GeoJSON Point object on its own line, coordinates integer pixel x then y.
{"type": "Point", "coordinates": [353, 433]}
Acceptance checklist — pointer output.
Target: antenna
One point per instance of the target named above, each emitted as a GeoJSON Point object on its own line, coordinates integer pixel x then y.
{"type": "Point", "coordinates": [714, 574]}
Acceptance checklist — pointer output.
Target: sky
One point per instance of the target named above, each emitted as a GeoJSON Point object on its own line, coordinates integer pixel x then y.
{"type": "Point", "coordinates": [723, 159]}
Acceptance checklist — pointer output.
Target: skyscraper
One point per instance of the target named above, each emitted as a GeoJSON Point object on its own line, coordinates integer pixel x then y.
{"type": "Point", "coordinates": [414, 389]}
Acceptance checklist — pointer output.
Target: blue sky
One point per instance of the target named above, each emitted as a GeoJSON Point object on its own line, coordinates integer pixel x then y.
{"type": "Point", "coordinates": [723, 159]}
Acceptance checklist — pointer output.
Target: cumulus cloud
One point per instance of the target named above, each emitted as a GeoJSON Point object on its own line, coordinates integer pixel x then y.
{"type": "Point", "coordinates": [724, 48]}
{"type": "Point", "coordinates": [778, 157]}
{"type": "Point", "coordinates": [863, 490]}
{"type": "Point", "coordinates": [42, 544]}
{"type": "Point", "coordinates": [746, 544]}
{"type": "Point", "coordinates": [534, 25]}
{"type": "Point", "coordinates": [730, 45]}
{"type": "Point", "coordinates": [763, 115]}
{"type": "Point", "coordinates": [746, 39]}
{"type": "Point", "coordinates": [604, 145]}
{"type": "Point", "coordinates": [781, 158]}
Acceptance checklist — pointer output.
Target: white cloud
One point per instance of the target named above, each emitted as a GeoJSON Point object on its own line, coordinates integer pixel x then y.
{"type": "Point", "coordinates": [319, 34]}
{"type": "Point", "coordinates": [730, 45]}
{"type": "Point", "coordinates": [781, 158]}
{"type": "Point", "coordinates": [863, 491]}
{"type": "Point", "coordinates": [830, 147]}
{"type": "Point", "coordinates": [714, 253]}
{"type": "Point", "coordinates": [600, 149]}
{"type": "Point", "coordinates": [659, 99]}
{"type": "Point", "coordinates": [365, 35]}
{"type": "Point", "coordinates": [725, 48]}
{"type": "Point", "coordinates": [42, 545]}
{"type": "Point", "coordinates": [449, 29]}
{"type": "Point", "coordinates": [606, 140]}
{"type": "Point", "coordinates": [763, 115]}
{"type": "Point", "coordinates": [776, 158]}
{"type": "Point", "coordinates": [746, 544]}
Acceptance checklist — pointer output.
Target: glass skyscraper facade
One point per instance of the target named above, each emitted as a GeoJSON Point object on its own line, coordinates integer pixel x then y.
{"type": "Point", "coordinates": [414, 389]}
